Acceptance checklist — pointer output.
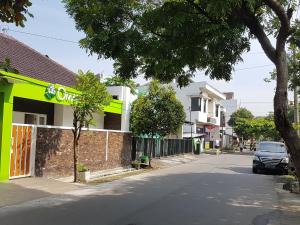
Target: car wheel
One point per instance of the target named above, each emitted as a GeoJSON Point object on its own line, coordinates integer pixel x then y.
{"type": "Point", "coordinates": [254, 170]}
{"type": "Point", "coordinates": [285, 172]}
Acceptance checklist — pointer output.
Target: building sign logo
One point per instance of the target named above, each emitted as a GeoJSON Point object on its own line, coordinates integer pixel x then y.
{"type": "Point", "coordinates": [50, 92]}
{"type": "Point", "coordinates": [61, 94]}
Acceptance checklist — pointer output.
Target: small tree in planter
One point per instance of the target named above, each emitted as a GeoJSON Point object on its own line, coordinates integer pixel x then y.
{"type": "Point", "coordinates": [83, 173]}
{"type": "Point", "coordinates": [158, 113]}
{"type": "Point", "coordinates": [93, 97]}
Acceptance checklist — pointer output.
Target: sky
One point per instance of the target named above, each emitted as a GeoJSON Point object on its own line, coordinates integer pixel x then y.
{"type": "Point", "coordinates": [50, 19]}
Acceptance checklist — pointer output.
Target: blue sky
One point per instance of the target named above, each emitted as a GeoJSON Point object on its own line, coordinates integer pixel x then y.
{"type": "Point", "coordinates": [50, 19]}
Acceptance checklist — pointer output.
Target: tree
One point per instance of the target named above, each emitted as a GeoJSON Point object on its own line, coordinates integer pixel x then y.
{"type": "Point", "coordinates": [243, 128]}
{"type": "Point", "coordinates": [14, 11]}
{"type": "Point", "coordinates": [91, 99]}
{"type": "Point", "coordinates": [158, 113]}
{"type": "Point", "coordinates": [174, 38]}
{"type": "Point", "coordinates": [121, 81]}
{"type": "Point", "coordinates": [241, 113]}
{"type": "Point", "coordinates": [261, 128]}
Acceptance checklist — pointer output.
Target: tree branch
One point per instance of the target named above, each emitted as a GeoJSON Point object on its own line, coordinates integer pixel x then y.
{"type": "Point", "coordinates": [203, 12]}
{"type": "Point", "coordinates": [284, 17]}
{"type": "Point", "coordinates": [251, 21]}
{"type": "Point", "coordinates": [279, 11]}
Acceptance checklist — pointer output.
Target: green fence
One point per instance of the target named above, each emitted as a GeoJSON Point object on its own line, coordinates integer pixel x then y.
{"type": "Point", "coordinates": [160, 147]}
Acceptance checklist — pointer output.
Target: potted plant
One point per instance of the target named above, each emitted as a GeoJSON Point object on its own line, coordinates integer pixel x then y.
{"type": "Point", "coordinates": [83, 173]}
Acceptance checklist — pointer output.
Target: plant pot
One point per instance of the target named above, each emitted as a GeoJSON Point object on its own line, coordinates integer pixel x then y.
{"type": "Point", "coordinates": [84, 176]}
{"type": "Point", "coordinates": [144, 159]}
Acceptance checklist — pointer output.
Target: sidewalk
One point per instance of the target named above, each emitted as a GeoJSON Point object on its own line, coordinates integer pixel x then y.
{"type": "Point", "coordinates": [26, 189]}
{"type": "Point", "coordinates": [289, 209]}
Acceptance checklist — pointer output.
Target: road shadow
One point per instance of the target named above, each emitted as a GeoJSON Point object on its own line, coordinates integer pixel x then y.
{"type": "Point", "coordinates": [247, 152]}
{"type": "Point", "coordinates": [248, 170]}
{"type": "Point", "coordinates": [12, 194]}
{"type": "Point", "coordinates": [241, 170]}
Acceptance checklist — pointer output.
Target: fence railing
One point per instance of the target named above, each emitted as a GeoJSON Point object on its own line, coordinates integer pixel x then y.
{"type": "Point", "coordinates": [160, 147]}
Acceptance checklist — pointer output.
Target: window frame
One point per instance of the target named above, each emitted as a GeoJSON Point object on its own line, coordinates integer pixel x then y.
{"type": "Point", "coordinates": [196, 107]}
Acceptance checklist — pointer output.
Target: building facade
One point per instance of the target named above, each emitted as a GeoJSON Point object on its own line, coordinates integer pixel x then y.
{"type": "Point", "coordinates": [230, 105]}
{"type": "Point", "coordinates": [203, 110]}
{"type": "Point", "coordinates": [40, 96]}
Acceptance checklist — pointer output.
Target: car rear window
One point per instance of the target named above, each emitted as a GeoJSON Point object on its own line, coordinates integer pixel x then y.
{"type": "Point", "coordinates": [272, 147]}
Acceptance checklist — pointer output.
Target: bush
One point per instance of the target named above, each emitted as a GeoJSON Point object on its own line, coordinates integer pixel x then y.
{"type": "Point", "coordinates": [136, 164]}
{"type": "Point", "coordinates": [82, 168]}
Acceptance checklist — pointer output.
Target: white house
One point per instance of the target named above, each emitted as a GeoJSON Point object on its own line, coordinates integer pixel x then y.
{"type": "Point", "coordinates": [202, 106]}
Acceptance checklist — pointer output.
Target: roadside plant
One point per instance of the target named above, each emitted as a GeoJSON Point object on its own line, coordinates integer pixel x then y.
{"type": "Point", "coordinates": [157, 113]}
{"type": "Point", "coordinates": [91, 99]}
{"type": "Point", "coordinates": [82, 168]}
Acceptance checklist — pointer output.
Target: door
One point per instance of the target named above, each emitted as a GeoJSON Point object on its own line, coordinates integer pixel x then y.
{"type": "Point", "coordinates": [22, 154]}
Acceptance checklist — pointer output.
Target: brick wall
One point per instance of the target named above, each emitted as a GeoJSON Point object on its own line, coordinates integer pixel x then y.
{"type": "Point", "coordinates": [54, 151]}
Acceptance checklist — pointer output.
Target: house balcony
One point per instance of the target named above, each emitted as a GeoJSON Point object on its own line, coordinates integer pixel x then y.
{"type": "Point", "coordinates": [204, 118]}
{"type": "Point", "coordinates": [211, 119]}
{"type": "Point", "coordinates": [198, 117]}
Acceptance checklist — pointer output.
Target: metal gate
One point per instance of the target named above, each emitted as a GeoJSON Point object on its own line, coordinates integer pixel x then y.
{"type": "Point", "coordinates": [22, 153]}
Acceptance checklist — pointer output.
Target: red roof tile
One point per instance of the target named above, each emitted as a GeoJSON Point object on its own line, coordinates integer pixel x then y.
{"type": "Point", "coordinates": [31, 63]}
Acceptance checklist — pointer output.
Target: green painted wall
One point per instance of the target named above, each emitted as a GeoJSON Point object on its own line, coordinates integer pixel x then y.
{"type": "Point", "coordinates": [6, 108]}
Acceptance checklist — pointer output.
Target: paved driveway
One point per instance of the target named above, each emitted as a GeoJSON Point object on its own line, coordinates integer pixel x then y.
{"type": "Point", "coordinates": [211, 191]}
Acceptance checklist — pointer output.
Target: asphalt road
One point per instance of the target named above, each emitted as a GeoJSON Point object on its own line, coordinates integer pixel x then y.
{"type": "Point", "coordinates": [211, 191]}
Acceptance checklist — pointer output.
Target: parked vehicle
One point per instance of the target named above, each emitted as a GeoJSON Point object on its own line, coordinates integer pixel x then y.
{"type": "Point", "coordinates": [271, 156]}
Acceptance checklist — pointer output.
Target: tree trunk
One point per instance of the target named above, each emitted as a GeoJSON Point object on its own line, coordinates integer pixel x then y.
{"type": "Point", "coordinates": [75, 158]}
{"type": "Point", "coordinates": [150, 153]}
{"type": "Point", "coordinates": [283, 125]}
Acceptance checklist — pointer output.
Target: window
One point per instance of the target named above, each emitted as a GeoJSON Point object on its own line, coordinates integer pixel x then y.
{"type": "Point", "coordinates": [217, 110]}
{"type": "Point", "coordinates": [204, 105]}
{"type": "Point", "coordinates": [36, 119]}
{"type": "Point", "coordinates": [42, 120]}
{"type": "Point", "coordinates": [196, 104]}
{"type": "Point", "coordinates": [30, 119]}
{"type": "Point", "coordinates": [116, 97]}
